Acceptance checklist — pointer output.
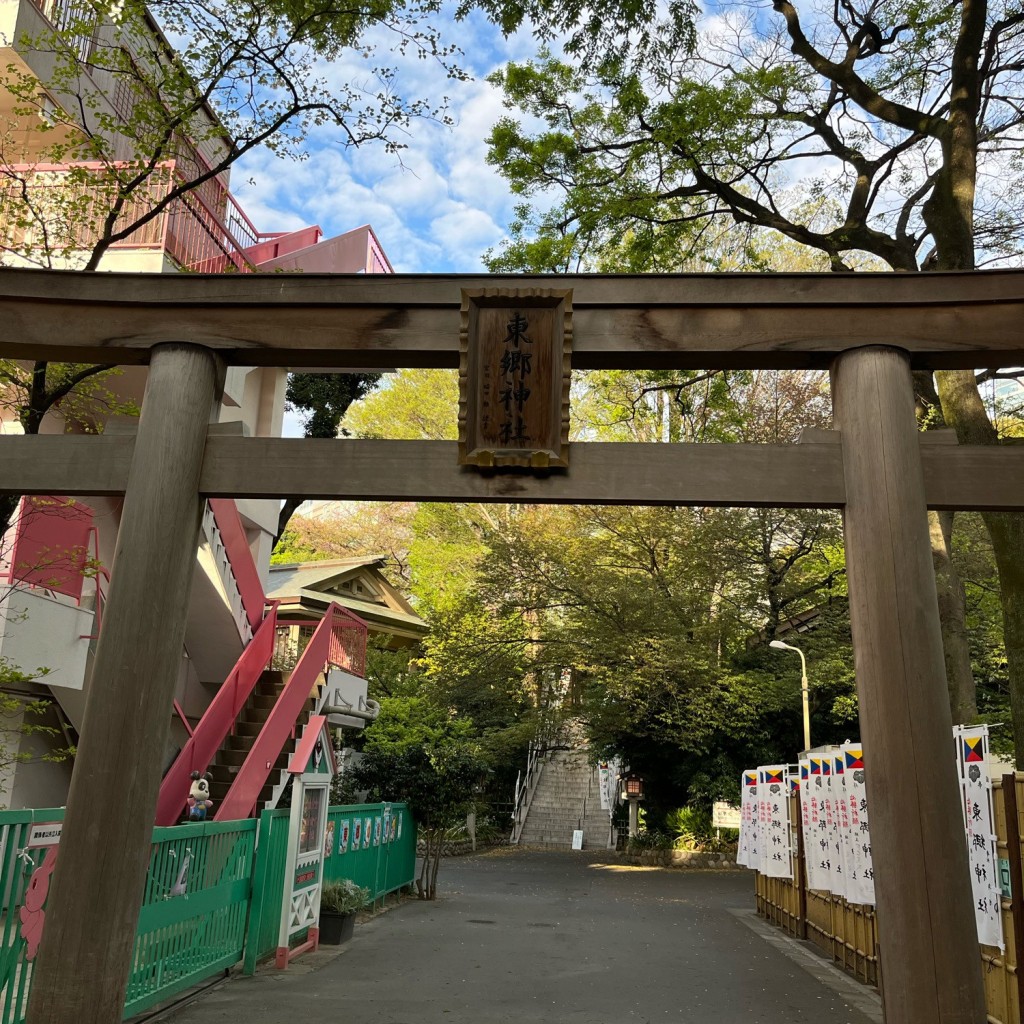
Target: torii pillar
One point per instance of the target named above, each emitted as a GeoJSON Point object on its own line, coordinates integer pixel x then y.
{"type": "Point", "coordinates": [92, 912]}
{"type": "Point", "coordinates": [930, 967]}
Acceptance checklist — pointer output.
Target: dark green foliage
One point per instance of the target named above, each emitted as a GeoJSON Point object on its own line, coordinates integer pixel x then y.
{"type": "Point", "coordinates": [323, 398]}
{"type": "Point", "coordinates": [416, 754]}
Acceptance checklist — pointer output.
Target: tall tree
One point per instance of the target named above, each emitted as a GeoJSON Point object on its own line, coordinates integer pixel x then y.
{"type": "Point", "coordinates": [903, 124]}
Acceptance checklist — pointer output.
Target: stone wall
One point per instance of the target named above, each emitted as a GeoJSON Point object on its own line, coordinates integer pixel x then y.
{"type": "Point", "coordinates": [460, 847]}
{"type": "Point", "coordinates": [682, 859]}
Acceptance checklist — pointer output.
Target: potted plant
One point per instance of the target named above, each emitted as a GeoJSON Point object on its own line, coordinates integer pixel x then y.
{"type": "Point", "coordinates": [339, 902]}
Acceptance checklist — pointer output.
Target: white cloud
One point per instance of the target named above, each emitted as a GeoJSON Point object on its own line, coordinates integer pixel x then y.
{"type": "Point", "coordinates": [436, 206]}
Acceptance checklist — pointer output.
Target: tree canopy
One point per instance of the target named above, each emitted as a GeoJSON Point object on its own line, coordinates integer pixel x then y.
{"type": "Point", "coordinates": [870, 128]}
{"type": "Point", "coordinates": [874, 136]}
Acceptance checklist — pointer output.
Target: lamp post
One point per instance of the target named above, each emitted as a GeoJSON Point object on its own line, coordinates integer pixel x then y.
{"type": "Point", "coordinates": [780, 646]}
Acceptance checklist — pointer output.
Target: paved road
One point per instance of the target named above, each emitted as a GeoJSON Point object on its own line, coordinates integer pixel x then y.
{"type": "Point", "coordinates": [527, 936]}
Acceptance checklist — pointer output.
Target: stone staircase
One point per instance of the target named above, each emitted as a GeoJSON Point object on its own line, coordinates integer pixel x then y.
{"type": "Point", "coordinates": [566, 782]}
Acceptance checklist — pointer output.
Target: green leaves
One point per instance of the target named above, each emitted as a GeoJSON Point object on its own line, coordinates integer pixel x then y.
{"type": "Point", "coordinates": [412, 755]}
{"type": "Point", "coordinates": [602, 34]}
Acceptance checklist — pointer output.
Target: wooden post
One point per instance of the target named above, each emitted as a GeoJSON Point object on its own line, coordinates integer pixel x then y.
{"type": "Point", "coordinates": [1016, 881]}
{"type": "Point", "coordinates": [800, 872]}
{"type": "Point", "coordinates": [925, 910]}
{"type": "Point", "coordinates": [93, 907]}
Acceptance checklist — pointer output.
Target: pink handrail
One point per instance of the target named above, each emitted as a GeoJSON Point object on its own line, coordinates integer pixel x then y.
{"type": "Point", "coordinates": [325, 647]}
{"type": "Point", "coordinates": [236, 545]}
{"type": "Point", "coordinates": [217, 722]}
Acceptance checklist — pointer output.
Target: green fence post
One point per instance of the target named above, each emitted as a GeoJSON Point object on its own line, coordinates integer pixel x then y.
{"type": "Point", "coordinates": [376, 865]}
{"type": "Point", "coordinates": [259, 894]}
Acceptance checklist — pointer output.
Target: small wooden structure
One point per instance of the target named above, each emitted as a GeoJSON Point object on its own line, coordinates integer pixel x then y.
{"type": "Point", "coordinates": [312, 767]}
{"type": "Point", "coordinates": [869, 330]}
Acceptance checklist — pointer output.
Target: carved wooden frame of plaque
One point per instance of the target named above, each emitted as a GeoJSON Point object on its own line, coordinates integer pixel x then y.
{"type": "Point", "coordinates": [471, 451]}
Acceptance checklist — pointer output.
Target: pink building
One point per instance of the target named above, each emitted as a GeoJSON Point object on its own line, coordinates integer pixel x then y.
{"type": "Point", "coordinates": [239, 708]}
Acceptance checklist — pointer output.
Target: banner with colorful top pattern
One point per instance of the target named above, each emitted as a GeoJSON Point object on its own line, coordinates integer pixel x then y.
{"type": "Point", "coordinates": [979, 822]}
{"type": "Point", "coordinates": [774, 849]}
{"type": "Point", "coordinates": [835, 827]}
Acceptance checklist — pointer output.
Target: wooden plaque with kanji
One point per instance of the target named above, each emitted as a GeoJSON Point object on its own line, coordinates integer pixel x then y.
{"type": "Point", "coordinates": [514, 377]}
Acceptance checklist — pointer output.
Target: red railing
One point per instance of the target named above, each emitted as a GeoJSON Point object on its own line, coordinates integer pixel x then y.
{"type": "Point", "coordinates": [217, 722]}
{"type": "Point", "coordinates": [236, 545]}
{"type": "Point", "coordinates": [327, 647]}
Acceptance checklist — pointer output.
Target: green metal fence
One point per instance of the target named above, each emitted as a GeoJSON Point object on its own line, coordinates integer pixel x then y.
{"type": "Point", "coordinates": [18, 863]}
{"type": "Point", "coordinates": [383, 863]}
{"type": "Point", "coordinates": [195, 908]}
{"type": "Point", "coordinates": [385, 860]}
{"type": "Point", "coordinates": [193, 917]}
{"type": "Point", "coordinates": [214, 891]}
{"type": "Point", "coordinates": [268, 887]}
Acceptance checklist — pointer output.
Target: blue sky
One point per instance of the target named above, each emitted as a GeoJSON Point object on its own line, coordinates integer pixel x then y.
{"type": "Point", "coordinates": [441, 207]}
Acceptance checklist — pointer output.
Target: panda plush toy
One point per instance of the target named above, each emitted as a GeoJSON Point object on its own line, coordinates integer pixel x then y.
{"type": "Point", "coordinates": [199, 802]}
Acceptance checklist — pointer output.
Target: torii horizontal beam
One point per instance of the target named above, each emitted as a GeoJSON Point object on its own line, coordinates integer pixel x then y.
{"type": "Point", "coordinates": [752, 321]}
{"type": "Point", "coordinates": [870, 330]}
{"type": "Point", "coordinates": [806, 475]}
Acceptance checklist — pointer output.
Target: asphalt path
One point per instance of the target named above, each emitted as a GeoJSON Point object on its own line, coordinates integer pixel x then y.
{"type": "Point", "coordinates": [523, 936]}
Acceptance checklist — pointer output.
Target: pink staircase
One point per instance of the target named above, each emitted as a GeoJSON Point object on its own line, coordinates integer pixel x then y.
{"type": "Point", "coordinates": [244, 734]}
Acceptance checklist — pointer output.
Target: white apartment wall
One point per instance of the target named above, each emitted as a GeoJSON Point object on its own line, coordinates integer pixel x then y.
{"type": "Point", "coordinates": [126, 260]}
{"type": "Point", "coordinates": [10, 740]}
{"type": "Point", "coordinates": [20, 19]}
{"type": "Point", "coordinates": [40, 783]}
{"type": "Point", "coordinates": [53, 642]}
{"type": "Point", "coordinates": [138, 261]}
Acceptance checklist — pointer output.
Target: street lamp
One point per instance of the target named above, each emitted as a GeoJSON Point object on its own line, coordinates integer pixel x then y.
{"type": "Point", "coordinates": [780, 646]}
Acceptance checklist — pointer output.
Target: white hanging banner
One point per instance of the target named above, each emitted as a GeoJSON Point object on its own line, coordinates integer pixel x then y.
{"type": "Point", "coordinates": [841, 814]}
{"type": "Point", "coordinates": [979, 823]}
{"type": "Point", "coordinates": [745, 854]}
{"type": "Point", "coordinates": [806, 831]}
{"type": "Point", "coordinates": [816, 841]}
{"type": "Point", "coordinates": [608, 773]}
{"type": "Point", "coordinates": [860, 876]}
{"type": "Point", "coordinates": [830, 832]}
{"type": "Point", "coordinates": [793, 791]}
{"type": "Point", "coordinates": [774, 841]}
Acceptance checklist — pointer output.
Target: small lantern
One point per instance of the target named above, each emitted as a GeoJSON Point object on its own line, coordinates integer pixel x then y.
{"type": "Point", "coordinates": [631, 787]}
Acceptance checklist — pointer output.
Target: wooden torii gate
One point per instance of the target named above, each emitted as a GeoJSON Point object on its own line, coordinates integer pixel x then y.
{"type": "Point", "coordinates": [869, 330]}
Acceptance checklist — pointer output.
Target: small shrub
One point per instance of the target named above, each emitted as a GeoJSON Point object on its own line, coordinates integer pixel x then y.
{"type": "Point", "coordinates": [691, 828]}
{"type": "Point", "coordinates": [344, 897]}
{"type": "Point", "coordinates": [648, 840]}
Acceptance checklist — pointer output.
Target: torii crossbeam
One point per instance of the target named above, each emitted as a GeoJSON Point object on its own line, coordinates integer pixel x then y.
{"type": "Point", "coordinates": [869, 330]}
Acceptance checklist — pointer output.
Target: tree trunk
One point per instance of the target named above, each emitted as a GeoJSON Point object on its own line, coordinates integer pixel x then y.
{"type": "Point", "coordinates": [952, 599]}
{"type": "Point", "coordinates": [436, 865]}
{"type": "Point", "coordinates": [421, 881]}
{"type": "Point", "coordinates": [1007, 532]}
{"type": "Point", "coordinates": [964, 410]}
{"type": "Point", "coordinates": [956, 652]}
{"type": "Point", "coordinates": [288, 509]}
